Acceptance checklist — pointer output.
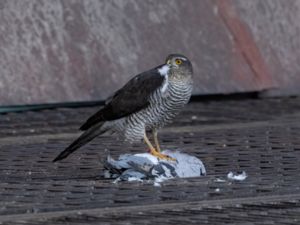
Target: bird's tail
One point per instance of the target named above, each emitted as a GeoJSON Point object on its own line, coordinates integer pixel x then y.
{"type": "Point", "coordinates": [87, 136]}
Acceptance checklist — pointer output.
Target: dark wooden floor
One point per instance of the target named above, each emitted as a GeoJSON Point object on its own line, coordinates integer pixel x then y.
{"type": "Point", "coordinates": [260, 137]}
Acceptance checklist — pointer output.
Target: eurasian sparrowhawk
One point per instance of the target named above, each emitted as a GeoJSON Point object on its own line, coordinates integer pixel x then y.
{"type": "Point", "coordinates": [146, 103]}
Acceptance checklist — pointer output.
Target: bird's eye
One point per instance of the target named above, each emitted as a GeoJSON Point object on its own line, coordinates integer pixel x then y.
{"type": "Point", "coordinates": [178, 61]}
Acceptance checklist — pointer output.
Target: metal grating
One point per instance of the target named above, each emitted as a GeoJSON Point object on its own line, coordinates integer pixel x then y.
{"type": "Point", "coordinates": [265, 144]}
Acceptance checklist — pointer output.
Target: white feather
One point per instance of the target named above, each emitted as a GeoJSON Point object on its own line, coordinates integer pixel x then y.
{"type": "Point", "coordinates": [165, 85]}
{"type": "Point", "coordinates": [164, 70]}
{"type": "Point", "coordinates": [240, 177]}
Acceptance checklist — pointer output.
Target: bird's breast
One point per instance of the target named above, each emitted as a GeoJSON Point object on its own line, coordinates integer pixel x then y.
{"type": "Point", "coordinates": [166, 104]}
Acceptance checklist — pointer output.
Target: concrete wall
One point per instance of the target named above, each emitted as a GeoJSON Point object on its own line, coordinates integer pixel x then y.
{"type": "Point", "coordinates": [275, 26]}
{"type": "Point", "coordinates": [74, 50]}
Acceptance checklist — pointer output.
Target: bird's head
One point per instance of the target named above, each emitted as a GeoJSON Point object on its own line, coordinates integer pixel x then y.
{"type": "Point", "coordinates": [179, 65]}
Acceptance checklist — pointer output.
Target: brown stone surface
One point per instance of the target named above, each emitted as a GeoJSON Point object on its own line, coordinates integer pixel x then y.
{"type": "Point", "coordinates": [57, 51]}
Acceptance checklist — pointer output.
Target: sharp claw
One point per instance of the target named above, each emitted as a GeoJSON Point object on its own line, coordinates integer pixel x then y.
{"type": "Point", "coordinates": [161, 156]}
{"type": "Point", "coordinates": [171, 159]}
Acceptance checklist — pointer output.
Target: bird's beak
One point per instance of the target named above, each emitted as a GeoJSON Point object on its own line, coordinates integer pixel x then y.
{"type": "Point", "coordinates": [169, 62]}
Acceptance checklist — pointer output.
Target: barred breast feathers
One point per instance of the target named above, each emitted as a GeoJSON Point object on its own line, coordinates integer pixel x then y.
{"type": "Point", "coordinates": [165, 103]}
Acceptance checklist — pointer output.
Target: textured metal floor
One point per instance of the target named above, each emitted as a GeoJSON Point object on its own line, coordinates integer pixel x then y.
{"type": "Point", "coordinates": [260, 137]}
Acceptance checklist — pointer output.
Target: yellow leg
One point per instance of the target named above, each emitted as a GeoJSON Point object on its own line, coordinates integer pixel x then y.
{"type": "Point", "coordinates": [156, 140]}
{"type": "Point", "coordinates": [154, 152]}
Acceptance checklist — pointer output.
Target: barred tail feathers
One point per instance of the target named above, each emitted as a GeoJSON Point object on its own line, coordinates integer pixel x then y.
{"type": "Point", "coordinates": [84, 138]}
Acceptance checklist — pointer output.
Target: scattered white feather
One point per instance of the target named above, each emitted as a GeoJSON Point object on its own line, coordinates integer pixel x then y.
{"type": "Point", "coordinates": [159, 180]}
{"type": "Point", "coordinates": [164, 70]}
{"type": "Point", "coordinates": [240, 177]}
{"type": "Point", "coordinates": [194, 117]}
{"type": "Point", "coordinates": [135, 179]}
{"type": "Point", "coordinates": [116, 180]}
{"type": "Point", "coordinates": [219, 180]}
{"type": "Point", "coordinates": [157, 184]}
{"type": "Point", "coordinates": [107, 174]}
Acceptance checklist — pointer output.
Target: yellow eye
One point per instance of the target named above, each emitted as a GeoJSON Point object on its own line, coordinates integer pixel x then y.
{"type": "Point", "coordinates": [178, 61]}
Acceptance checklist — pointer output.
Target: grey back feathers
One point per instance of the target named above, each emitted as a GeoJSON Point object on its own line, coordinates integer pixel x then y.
{"type": "Point", "coordinates": [133, 97]}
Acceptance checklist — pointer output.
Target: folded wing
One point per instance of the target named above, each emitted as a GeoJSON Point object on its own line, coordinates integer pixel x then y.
{"type": "Point", "coordinates": [133, 97]}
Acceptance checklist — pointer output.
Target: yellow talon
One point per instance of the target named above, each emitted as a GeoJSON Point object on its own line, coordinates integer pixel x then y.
{"type": "Point", "coordinates": [160, 155]}
{"type": "Point", "coordinates": [156, 153]}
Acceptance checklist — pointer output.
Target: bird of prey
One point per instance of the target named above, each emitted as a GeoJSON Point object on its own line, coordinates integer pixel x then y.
{"type": "Point", "coordinates": [145, 104]}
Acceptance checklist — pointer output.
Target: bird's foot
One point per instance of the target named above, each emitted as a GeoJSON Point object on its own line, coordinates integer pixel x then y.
{"type": "Point", "coordinates": [161, 156]}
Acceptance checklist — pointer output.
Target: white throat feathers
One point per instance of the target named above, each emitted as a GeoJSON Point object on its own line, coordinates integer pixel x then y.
{"type": "Point", "coordinates": [163, 71]}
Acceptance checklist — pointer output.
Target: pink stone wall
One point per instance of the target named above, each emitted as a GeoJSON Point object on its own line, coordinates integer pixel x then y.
{"type": "Point", "coordinates": [75, 50]}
